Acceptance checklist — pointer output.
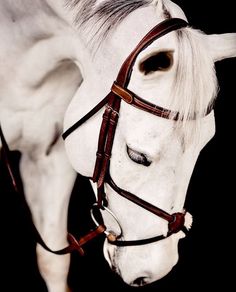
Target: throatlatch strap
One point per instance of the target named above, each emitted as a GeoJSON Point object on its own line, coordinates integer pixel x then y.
{"type": "Point", "coordinates": [91, 113]}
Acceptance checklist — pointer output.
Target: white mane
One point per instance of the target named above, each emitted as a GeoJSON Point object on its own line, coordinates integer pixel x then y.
{"type": "Point", "coordinates": [195, 74]}
{"type": "Point", "coordinates": [100, 19]}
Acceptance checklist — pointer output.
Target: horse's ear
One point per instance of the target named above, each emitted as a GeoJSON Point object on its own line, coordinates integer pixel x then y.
{"type": "Point", "coordinates": [221, 46]}
{"type": "Point", "coordinates": [167, 8]}
{"type": "Point", "coordinates": [157, 3]}
{"type": "Point", "coordinates": [159, 7]}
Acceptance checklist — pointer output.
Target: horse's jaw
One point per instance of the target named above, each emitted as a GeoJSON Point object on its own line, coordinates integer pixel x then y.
{"type": "Point", "coordinates": [139, 265]}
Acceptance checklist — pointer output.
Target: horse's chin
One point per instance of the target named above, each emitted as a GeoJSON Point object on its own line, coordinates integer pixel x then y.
{"type": "Point", "coordinates": [142, 265]}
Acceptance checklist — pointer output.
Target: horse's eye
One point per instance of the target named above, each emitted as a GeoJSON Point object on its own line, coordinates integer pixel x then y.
{"type": "Point", "coordinates": [161, 61]}
{"type": "Point", "coordinates": [138, 157]}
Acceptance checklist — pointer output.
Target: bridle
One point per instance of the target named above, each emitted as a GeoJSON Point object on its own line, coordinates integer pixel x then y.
{"type": "Point", "coordinates": [119, 92]}
{"type": "Point", "coordinates": [101, 174]}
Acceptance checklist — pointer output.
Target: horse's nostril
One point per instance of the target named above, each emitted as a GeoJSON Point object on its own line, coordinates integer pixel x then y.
{"type": "Point", "coordinates": [141, 281]}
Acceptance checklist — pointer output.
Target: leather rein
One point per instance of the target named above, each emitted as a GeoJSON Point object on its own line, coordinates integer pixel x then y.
{"type": "Point", "coordinates": [101, 174]}
{"type": "Point", "coordinates": [74, 244]}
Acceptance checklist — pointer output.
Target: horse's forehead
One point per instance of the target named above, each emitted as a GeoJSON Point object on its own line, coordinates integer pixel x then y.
{"type": "Point", "coordinates": [148, 125]}
{"type": "Point", "coordinates": [147, 133]}
{"type": "Point", "coordinates": [152, 134]}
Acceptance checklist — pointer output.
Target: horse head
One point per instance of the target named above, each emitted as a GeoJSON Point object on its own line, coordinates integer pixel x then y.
{"type": "Point", "coordinates": [153, 156]}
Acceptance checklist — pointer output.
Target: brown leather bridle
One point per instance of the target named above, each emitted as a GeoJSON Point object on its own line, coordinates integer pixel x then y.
{"type": "Point", "coordinates": [101, 174]}
{"type": "Point", "coordinates": [119, 92]}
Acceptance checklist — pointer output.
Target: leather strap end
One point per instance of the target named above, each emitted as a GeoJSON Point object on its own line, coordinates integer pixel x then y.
{"type": "Point", "coordinates": [122, 93]}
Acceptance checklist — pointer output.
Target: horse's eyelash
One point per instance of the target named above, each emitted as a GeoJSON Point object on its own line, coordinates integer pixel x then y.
{"type": "Point", "coordinates": [139, 158]}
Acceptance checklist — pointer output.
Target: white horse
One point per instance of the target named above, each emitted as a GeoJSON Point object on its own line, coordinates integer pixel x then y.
{"type": "Point", "coordinates": [56, 55]}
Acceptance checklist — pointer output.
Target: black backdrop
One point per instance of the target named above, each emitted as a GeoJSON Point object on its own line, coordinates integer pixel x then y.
{"type": "Point", "coordinates": [207, 252]}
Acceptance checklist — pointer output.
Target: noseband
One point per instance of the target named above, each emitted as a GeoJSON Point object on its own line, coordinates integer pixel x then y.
{"type": "Point", "coordinates": [112, 101]}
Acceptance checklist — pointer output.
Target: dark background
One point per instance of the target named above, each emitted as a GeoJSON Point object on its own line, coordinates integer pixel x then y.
{"type": "Point", "coordinates": [208, 251]}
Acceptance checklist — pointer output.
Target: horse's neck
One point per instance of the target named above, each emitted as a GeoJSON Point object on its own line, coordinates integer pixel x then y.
{"type": "Point", "coordinates": [38, 73]}
{"type": "Point", "coordinates": [39, 76]}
